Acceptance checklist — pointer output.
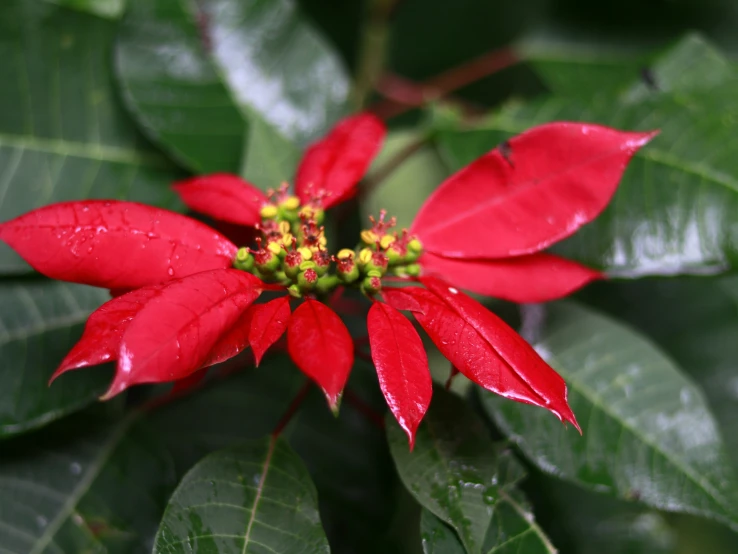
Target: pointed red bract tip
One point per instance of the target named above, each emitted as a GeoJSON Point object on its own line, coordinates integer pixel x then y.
{"type": "Point", "coordinates": [482, 346]}
{"type": "Point", "coordinates": [267, 323]}
{"type": "Point", "coordinates": [332, 167]}
{"type": "Point", "coordinates": [224, 197]}
{"type": "Point", "coordinates": [537, 189]}
{"type": "Point", "coordinates": [175, 332]}
{"type": "Point", "coordinates": [104, 330]}
{"type": "Point", "coordinates": [321, 346]}
{"type": "Point", "coordinates": [402, 366]}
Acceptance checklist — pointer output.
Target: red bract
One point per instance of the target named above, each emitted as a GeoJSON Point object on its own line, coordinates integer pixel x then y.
{"type": "Point", "coordinates": [113, 244]}
{"type": "Point", "coordinates": [548, 182]}
{"type": "Point", "coordinates": [268, 322]}
{"type": "Point", "coordinates": [483, 230]}
{"type": "Point", "coordinates": [328, 174]}
{"type": "Point", "coordinates": [333, 166]}
{"type": "Point", "coordinates": [321, 346]}
{"type": "Point", "coordinates": [402, 366]}
{"type": "Point", "coordinates": [225, 197]}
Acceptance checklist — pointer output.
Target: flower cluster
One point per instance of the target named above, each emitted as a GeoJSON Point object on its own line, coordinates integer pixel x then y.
{"type": "Point", "coordinates": [186, 296]}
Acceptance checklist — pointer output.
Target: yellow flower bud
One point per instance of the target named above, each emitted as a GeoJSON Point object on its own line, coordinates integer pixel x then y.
{"type": "Point", "coordinates": [284, 227]}
{"type": "Point", "coordinates": [274, 248]}
{"type": "Point", "coordinates": [306, 253]}
{"type": "Point", "coordinates": [269, 211]}
{"type": "Point", "coordinates": [365, 256]}
{"type": "Point", "coordinates": [290, 203]}
{"type": "Point", "coordinates": [322, 241]}
{"type": "Point", "coordinates": [386, 241]}
{"type": "Point", "coordinates": [369, 237]}
{"type": "Point", "coordinates": [287, 240]}
{"type": "Point", "coordinates": [307, 212]}
{"type": "Point", "coordinates": [345, 254]}
{"type": "Point", "coordinates": [415, 246]}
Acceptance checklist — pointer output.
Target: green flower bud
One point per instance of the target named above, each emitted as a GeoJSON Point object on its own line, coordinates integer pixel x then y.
{"type": "Point", "coordinates": [371, 284]}
{"type": "Point", "coordinates": [307, 280]}
{"type": "Point", "coordinates": [244, 260]}
{"type": "Point", "coordinates": [413, 270]}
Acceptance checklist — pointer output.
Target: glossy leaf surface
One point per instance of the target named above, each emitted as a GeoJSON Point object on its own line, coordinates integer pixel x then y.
{"type": "Point", "coordinates": [483, 347]}
{"type": "Point", "coordinates": [537, 189]}
{"type": "Point", "coordinates": [174, 333]}
{"type": "Point", "coordinates": [267, 323]}
{"type": "Point", "coordinates": [524, 279]}
{"type": "Point", "coordinates": [115, 244]}
{"type": "Point", "coordinates": [88, 484]}
{"type": "Point", "coordinates": [40, 322]}
{"type": "Point", "coordinates": [458, 474]}
{"type": "Point", "coordinates": [223, 196]}
{"type": "Point", "coordinates": [250, 498]}
{"type": "Point", "coordinates": [209, 81]}
{"type": "Point", "coordinates": [332, 167]}
{"type": "Point", "coordinates": [694, 321]}
{"type": "Point", "coordinates": [63, 134]}
{"type": "Point", "coordinates": [104, 330]}
{"type": "Point", "coordinates": [321, 346]}
{"type": "Point", "coordinates": [402, 366]}
{"type": "Point", "coordinates": [640, 414]}
{"type": "Point", "coordinates": [672, 213]}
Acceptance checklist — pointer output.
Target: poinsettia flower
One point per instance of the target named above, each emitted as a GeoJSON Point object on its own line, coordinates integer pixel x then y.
{"type": "Point", "coordinates": [188, 295]}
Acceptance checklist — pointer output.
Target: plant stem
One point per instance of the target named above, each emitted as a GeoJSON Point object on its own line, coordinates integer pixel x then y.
{"type": "Point", "coordinates": [389, 167]}
{"type": "Point", "coordinates": [402, 94]}
{"type": "Point", "coordinates": [291, 409]}
{"type": "Point", "coordinates": [372, 50]}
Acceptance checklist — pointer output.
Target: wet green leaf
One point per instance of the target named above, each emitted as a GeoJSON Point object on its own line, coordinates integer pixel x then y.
{"type": "Point", "coordinates": [63, 135]}
{"type": "Point", "coordinates": [674, 207]}
{"type": "Point", "coordinates": [214, 80]}
{"type": "Point", "coordinates": [83, 485]}
{"type": "Point", "coordinates": [40, 321]}
{"type": "Point", "coordinates": [251, 498]}
{"type": "Point", "coordinates": [437, 537]}
{"type": "Point", "coordinates": [458, 473]}
{"type": "Point", "coordinates": [648, 432]}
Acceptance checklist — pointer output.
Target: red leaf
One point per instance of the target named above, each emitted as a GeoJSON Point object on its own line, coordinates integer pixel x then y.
{"type": "Point", "coordinates": [116, 245]}
{"type": "Point", "coordinates": [543, 186]}
{"type": "Point", "coordinates": [321, 346]}
{"type": "Point", "coordinates": [483, 347]}
{"type": "Point", "coordinates": [232, 342]}
{"type": "Point", "coordinates": [268, 323]}
{"type": "Point", "coordinates": [172, 336]}
{"type": "Point", "coordinates": [402, 366]}
{"type": "Point", "coordinates": [335, 164]}
{"type": "Point", "coordinates": [224, 197]}
{"type": "Point", "coordinates": [533, 278]}
{"type": "Point", "coordinates": [104, 330]}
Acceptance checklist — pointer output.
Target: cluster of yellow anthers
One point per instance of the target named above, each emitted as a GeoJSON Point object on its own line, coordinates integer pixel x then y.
{"type": "Point", "coordinates": [292, 250]}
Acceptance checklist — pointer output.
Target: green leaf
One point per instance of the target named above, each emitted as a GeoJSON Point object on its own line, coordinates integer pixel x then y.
{"type": "Point", "coordinates": [40, 321]}
{"type": "Point", "coordinates": [674, 206]}
{"type": "Point", "coordinates": [463, 478]}
{"type": "Point", "coordinates": [349, 462]}
{"type": "Point", "coordinates": [437, 537]}
{"type": "Point", "coordinates": [242, 407]}
{"type": "Point", "coordinates": [590, 523]}
{"type": "Point", "coordinates": [255, 497]}
{"type": "Point", "coordinates": [576, 67]}
{"type": "Point", "coordinates": [83, 485]}
{"type": "Point", "coordinates": [648, 433]}
{"type": "Point", "coordinates": [695, 321]}
{"type": "Point", "coordinates": [405, 189]}
{"type": "Point", "coordinates": [63, 135]}
{"type": "Point", "coordinates": [104, 8]}
{"type": "Point", "coordinates": [210, 82]}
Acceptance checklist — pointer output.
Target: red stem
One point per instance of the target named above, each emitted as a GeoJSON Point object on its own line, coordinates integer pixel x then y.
{"type": "Point", "coordinates": [291, 409]}
{"type": "Point", "coordinates": [402, 94]}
